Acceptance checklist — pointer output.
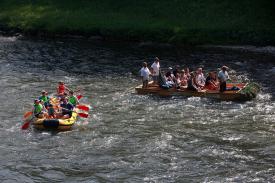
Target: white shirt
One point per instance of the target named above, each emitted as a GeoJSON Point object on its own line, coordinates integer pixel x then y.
{"type": "Point", "coordinates": [200, 79]}
{"type": "Point", "coordinates": [144, 73]}
{"type": "Point", "coordinates": [155, 66]}
{"type": "Point", "coordinates": [223, 76]}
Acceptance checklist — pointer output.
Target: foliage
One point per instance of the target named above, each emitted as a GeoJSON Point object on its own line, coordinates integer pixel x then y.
{"type": "Point", "coordinates": [178, 21]}
{"type": "Point", "coordinates": [251, 90]}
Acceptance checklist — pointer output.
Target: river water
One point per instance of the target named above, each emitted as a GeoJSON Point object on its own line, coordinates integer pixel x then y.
{"type": "Point", "coordinates": [128, 137]}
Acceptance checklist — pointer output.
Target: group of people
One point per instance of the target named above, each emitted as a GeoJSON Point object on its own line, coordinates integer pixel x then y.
{"type": "Point", "coordinates": [56, 107]}
{"type": "Point", "coordinates": [154, 71]}
{"type": "Point", "coordinates": [195, 81]}
{"type": "Point", "coordinates": [198, 82]}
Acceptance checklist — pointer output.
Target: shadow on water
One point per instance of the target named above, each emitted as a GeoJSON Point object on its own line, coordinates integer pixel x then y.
{"type": "Point", "coordinates": [129, 137]}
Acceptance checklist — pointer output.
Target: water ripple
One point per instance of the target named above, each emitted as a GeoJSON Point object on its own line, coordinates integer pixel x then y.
{"type": "Point", "coordinates": [129, 137]}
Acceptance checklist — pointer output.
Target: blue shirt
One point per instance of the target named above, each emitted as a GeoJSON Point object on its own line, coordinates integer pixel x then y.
{"type": "Point", "coordinates": [68, 106]}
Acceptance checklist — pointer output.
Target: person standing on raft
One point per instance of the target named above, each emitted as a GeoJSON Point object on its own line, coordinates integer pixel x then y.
{"type": "Point", "coordinates": [223, 77]}
{"type": "Point", "coordinates": [145, 73]}
{"type": "Point", "coordinates": [155, 71]}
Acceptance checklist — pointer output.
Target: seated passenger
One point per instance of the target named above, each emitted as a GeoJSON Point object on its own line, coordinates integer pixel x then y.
{"type": "Point", "coordinates": [191, 83]}
{"type": "Point", "coordinates": [38, 109]}
{"type": "Point", "coordinates": [163, 83]}
{"type": "Point", "coordinates": [187, 73]}
{"type": "Point", "coordinates": [169, 78]}
{"type": "Point", "coordinates": [61, 88]}
{"type": "Point", "coordinates": [183, 78]}
{"type": "Point", "coordinates": [62, 97]}
{"type": "Point", "coordinates": [67, 109]}
{"type": "Point", "coordinates": [169, 75]}
{"type": "Point", "coordinates": [51, 111]}
{"type": "Point", "coordinates": [45, 100]}
{"type": "Point", "coordinates": [176, 70]}
{"type": "Point", "coordinates": [216, 81]}
{"type": "Point", "coordinates": [177, 80]}
{"type": "Point", "coordinates": [200, 79]}
{"type": "Point", "coordinates": [170, 81]}
{"type": "Point", "coordinates": [210, 83]}
{"type": "Point", "coordinates": [73, 99]}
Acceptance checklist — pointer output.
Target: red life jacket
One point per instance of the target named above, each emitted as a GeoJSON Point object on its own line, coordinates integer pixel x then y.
{"type": "Point", "coordinates": [61, 89]}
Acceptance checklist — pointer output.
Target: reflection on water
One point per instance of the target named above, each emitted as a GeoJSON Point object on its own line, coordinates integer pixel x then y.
{"type": "Point", "coordinates": [133, 138]}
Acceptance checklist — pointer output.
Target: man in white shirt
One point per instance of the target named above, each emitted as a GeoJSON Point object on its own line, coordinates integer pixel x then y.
{"type": "Point", "coordinates": [155, 70]}
{"type": "Point", "coordinates": [223, 76]}
{"type": "Point", "coordinates": [145, 73]}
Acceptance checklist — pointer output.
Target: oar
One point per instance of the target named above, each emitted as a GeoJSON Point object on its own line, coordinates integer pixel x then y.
{"type": "Point", "coordinates": [27, 123]}
{"type": "Point", "coordinates": [27, 114]}
{"type": "Point", "coordinates": [83, 107]}
{"type": "Point", "coordinates": [78, 96]}
{"type": "Point", "coordinates": [83, 115]}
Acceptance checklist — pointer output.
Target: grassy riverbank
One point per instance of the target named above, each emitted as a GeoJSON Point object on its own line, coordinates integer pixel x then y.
{"type": "Point", "coordinates": [178, 21]}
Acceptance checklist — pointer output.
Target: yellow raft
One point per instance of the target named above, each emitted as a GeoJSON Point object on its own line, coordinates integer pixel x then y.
{"type": "Point", "coordinates": [55, 124]}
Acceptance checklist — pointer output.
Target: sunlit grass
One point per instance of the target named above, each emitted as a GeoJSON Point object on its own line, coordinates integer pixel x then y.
{"type": "Point", "coordinates": [197, 21]}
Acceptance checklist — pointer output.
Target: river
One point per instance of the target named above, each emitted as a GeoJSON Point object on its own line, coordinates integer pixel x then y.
{"type": "Point", "coordinates": [129, 137]}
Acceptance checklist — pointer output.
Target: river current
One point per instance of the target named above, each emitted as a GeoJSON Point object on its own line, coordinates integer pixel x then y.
{"type": "Point", "coordinates": [129, 137]}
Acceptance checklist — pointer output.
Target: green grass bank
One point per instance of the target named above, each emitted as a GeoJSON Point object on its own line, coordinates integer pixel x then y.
{"type": "Point", "coordinates": [175, 21]}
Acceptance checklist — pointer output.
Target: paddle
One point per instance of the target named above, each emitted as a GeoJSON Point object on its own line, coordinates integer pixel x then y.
{"type": "Point", "coordinates": [83, 115]}
{"type": "Point", "coordinates": [79, 96]}
{"type": "Point", "coordinates": [27, 114]}
{"type": "Point", "coordinates": [83, 107]}
{"type": "Point", "coordinates": [27, 123]}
